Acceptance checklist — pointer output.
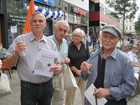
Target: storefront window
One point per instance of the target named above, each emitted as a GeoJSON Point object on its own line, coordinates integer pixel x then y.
{"type": "Point", "coordinates": [17, 6]}
{"type": "Point", "coordinates": [70, 18]}
{"type": "Point", "coordinates": [16, 10]}
{"type": "Point", "coordinates": [1, 6]}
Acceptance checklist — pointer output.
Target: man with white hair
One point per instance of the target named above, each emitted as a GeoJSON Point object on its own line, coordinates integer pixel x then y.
{"type": "Point", "coordinates": [60, 30]}
{"type": "Point", "coordinates": [110, 70]}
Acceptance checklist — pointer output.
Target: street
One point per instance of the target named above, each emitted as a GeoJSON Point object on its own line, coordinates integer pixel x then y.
{"type": "Point", "coordinates": [14, 98]}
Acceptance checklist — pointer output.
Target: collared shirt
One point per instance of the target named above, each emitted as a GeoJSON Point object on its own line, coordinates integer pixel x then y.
{"type": "Point", "coordinates": [119, 74]}
{"type": "Point", "coordinates": [134, 58]}
{"type": "Point", "coordinates": [77, 56]}
{"type": "Point", "coordinates": [62, 47]}
{"type": "Point", "coordinates": [26, 64]}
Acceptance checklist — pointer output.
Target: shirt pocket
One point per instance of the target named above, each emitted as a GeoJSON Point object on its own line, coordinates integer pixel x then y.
{"type": "Point", "coordinates": [115, 78]}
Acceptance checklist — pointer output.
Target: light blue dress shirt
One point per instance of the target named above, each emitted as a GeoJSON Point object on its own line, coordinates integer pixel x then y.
{"type": "Point", "coordinates": [119, 74]}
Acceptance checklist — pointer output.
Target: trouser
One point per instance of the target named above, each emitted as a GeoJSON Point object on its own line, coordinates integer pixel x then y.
{"type": "Point", "coordinates": [58, 97]}
{"type": "Point", "coordinates": [113, 102]}
{"type": "Point", "coordinates": [110, 102]}
{"type": "Point", "coordinates": [36, 94]}
{"type": "Point", "coordinates": [70, 94]}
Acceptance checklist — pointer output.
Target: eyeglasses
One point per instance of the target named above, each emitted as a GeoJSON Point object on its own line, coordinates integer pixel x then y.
{"type": "Point", "coordinates": [77, 36]}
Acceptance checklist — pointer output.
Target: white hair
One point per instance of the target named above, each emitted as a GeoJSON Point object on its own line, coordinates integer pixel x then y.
{"type": "Point", "coordinates": [61, 22]}
{"type": "Point", "coordinates": [78, 30]}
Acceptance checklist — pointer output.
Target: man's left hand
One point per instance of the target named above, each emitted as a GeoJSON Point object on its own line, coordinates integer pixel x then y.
{"type": "Point", "coordinates": [56, 69]}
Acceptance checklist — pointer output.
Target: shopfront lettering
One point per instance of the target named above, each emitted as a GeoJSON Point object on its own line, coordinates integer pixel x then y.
{"type": "Point", "coordinates": [17, 18]}
{"type": "Point", "coordinates": [79, 11]}
{"type": "Point", "coordinates": [93, 0]}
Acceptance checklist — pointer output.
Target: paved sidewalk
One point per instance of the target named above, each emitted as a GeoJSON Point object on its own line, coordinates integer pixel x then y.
{"type": "Point", "coordinates": [14, 98]}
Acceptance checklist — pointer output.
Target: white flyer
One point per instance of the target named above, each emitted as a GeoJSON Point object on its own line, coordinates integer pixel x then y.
{"type": "Point", "coordinates": [45, 60]}
{"type": "Point", "coordinates": [91, 98]}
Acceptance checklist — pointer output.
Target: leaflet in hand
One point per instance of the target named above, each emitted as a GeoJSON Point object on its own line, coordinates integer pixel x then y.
{"type": "Point", "coordinates": [45, 60]}
{"type": "Point", "coordinates": [91, 98]}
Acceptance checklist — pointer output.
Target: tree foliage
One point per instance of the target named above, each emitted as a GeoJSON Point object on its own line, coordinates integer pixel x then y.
{"type": "Point", "coordinates": [137, 26]}
{"type": "Point", "coordinates": [123, 9]}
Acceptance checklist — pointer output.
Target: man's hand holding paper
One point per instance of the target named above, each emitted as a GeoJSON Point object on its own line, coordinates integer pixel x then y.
{"type": "Point", "coordinates": [90, 95]}
{"type": "Point", "coordinates": [45, 64]}
{"type": "Point", "coordinates": [102, 92]}
{"type": "Point", "coordinates": [56, 69]}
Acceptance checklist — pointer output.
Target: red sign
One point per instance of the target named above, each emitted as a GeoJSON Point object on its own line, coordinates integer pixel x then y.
{"type": "Point", "coordinates": [79, 11]}
{"type": "Point", "coordinates": [93, 0]}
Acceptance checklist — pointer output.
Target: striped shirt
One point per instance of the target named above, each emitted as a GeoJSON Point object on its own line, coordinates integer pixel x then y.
{"type": "Point", "coordinates": [26, 64]}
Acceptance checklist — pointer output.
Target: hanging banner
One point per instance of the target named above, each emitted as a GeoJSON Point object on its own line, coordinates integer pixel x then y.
{"type": "Point", "coordinates": [49, 14]}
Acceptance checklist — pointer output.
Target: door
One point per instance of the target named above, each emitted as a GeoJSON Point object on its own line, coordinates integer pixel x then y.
{"type": "Point", "coordinates": [0, 30]}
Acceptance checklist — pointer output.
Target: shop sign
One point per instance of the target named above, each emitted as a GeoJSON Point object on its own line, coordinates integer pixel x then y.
{"type": "Point", "coordinates": [13, 29]}
{"type": "Point", "coordinates": [46, 2]}
{"type": "Point", "coordinates": [17, 18]}
{"type": "Point", "coordinates": [93, 0]}
{"type": "Point", "coordinates": [79, 11]}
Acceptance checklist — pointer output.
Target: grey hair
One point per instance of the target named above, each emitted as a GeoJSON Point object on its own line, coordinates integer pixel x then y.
{"type": "Point", "coordinates": [138, 43]}
{"type": "Point", "coordinates": [78, 30]}
{"type": "Point", "coordinates": [37, 13]}
{"type": "Point", "coordinates": [61, 22]}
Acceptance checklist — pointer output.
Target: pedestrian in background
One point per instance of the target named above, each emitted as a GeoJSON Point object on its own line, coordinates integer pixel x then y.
{"type": "Point", "coordinates": [87, 41]}
{"type": "Point", "coordinates": [77, 53]}
{"type": "Point", "coordinates": [138, 46]}
{"type": "Point", "coordinates": [110, 70]}
{"type": "Point", "coordinates": [94, 41]}
{"type": "Point", "coordinates": [60, 30]}
{"type": "Point", "coordinates": [132, 54]}
{"type": "Point", "coordinates": [68, 38]}
{"type": "Point", "coordinates": [2, 52]}
{"type": "Point", "coordinates": [99, 41]}
{"type": "Point", "coordinates": [35, 89]}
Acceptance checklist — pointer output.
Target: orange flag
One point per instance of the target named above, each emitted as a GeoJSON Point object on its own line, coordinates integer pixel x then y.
{"type": "Point", "coordinates": [27, 27]}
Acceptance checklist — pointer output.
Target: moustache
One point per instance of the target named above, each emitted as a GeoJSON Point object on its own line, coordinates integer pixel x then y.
{"type": "Point", "coordinates": [37, 26]}
{"type": "Point", "coordinates": [107, 43]}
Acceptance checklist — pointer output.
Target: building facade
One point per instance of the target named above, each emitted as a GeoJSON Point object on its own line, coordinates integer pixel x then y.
{"type": "Point", "coordinates": [76, 12]}
{"type": "Point", "coordinates": [13, 16]}
{"type": "Point", "coordinates": [99, 15]}
{"type": "Point", "coordinates": [130, 26]}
